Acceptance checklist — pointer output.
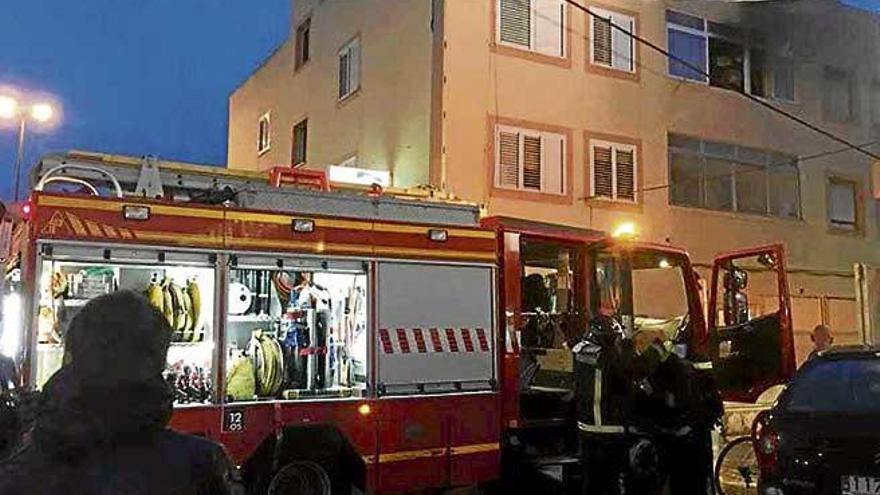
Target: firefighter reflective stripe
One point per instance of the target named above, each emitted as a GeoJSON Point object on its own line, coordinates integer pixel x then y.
{"type": "Point", "coordinates": [597, 397]}
{"type": "Point", "coordinates": [600, 428]}
{"type": "Point", "coordinates": [705, 365]}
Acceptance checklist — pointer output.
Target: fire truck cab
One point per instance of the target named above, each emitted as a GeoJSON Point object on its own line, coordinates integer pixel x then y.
{"type": "Point", "coordinates": [401, 335]}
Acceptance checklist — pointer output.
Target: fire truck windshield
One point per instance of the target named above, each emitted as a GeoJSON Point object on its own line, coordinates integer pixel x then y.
{"type": "Point", "coordinates": [644, 288]}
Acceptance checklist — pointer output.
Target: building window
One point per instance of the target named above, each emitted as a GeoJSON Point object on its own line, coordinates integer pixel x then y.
{"type": "Point", "coordinates": [349, 69]}
{"type": "Point", "coordinates": [838, 96]}
{"type": "Point", "coordinates": [264, 133]}
{"type": "Point", "coordinates": [534, 25]}
{"type": "Point", "coordinates": [688, 41]}
{"type": "Point", "coordinates": [300, 140]}
{"type": "Point", "coordinates": [718, 50]}
{"type": "Point", "coordinates": [610, 47]}
{"type": "Point", "coordinates": [303, 39]}
{"type": "Point", "coordinates": [843, 205]}
{"type": "Point", "coordinates": [875, 103]}
{"type": "Point", "coordinates": [613, 171]}
{"type": "Point", "coordinates": [720, 176]}
{"type": "Point", "coordinates": [783, 80]}
{"type": "Point", "coordinates": [529, 160]}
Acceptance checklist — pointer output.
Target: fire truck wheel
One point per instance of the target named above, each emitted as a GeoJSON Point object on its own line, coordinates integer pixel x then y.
{"type": "Point", "coordinates": [300, 478]}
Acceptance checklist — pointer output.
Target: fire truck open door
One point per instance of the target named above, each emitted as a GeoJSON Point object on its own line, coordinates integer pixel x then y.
{"type": "Point", "coordinates": [751, 341]}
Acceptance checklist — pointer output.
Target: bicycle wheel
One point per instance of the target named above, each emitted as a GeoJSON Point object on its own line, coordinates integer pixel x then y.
{"type": "Point", "coordinates": [736, 470]}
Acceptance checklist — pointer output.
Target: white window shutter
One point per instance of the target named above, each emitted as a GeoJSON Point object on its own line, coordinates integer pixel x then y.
{"type": "Point", "coordinates": [553, 161]}
{"type": "Point", "coordinates": [601, 41]}
{"type": "Point", "coordinates": [354, 62]}
{"type": "Point", "coordinates": [515, 22]}
{"type": "Point", "coordinates": [625, 174]}
{"type": "Point", "coordinates": [549, 27]}
{"type": "Point", "coordinates": [603, 176]}
{"type": "Point", "coordinates": [508, 159]}
{"type": "Point", "coordinates": [622, 43]}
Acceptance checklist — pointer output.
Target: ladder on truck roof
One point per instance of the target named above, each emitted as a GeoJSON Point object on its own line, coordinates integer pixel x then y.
{"type": "Point", "coordinates": [282, 189]}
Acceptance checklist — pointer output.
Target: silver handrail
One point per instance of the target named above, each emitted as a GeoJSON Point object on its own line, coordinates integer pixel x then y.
{"type": "Point", "coordinates": [73, 180]}
{"type": "Point", "coordinates": [48, 177]}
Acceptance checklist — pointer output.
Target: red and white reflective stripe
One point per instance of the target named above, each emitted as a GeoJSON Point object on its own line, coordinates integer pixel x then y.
{"type": "Point", "coordinates": [448, 340]}
{"type": "Point", "coordinates": [386, 341]}
{"type": "Point", "coordinates": [484, 342]}
{"type": "Point", "coordinates": [468, 342]}
{"type": "Point", "coordinates": [436, 343]}
{"type": "Point", "coordinates": [420, 340]}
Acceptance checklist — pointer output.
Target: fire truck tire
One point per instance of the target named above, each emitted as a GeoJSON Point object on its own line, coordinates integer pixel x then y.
{"type": "Point", "coordinates": [323, 445]}
{"type": "Point", "coordinates": [300, 478]}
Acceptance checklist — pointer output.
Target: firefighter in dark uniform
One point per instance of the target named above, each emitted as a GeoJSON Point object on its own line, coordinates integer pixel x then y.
{"type": "Point", "coordinates": [707, 414]}
{"type": "Point", "coordinates": [603, 393]}
{"type": "Point", "coordinates": [678, 406]}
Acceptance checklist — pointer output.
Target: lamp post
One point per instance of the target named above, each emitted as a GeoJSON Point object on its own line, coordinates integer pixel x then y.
{"type": "Point", "coordinates": [11, 109]}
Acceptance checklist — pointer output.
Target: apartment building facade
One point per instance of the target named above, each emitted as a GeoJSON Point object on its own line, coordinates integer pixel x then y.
{"type": "Point", "coordinates": [539, 110]}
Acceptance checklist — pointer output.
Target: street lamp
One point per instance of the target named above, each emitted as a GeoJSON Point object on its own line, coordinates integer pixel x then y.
{"type": "Point", "coordinates": [40, 112]}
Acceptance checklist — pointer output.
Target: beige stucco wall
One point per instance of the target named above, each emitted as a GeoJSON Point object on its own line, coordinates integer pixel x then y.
{"type": "Point", "coordinates": [482, 84]}
{"type": "Point", "coordinates": [390, 124]}
{"type": "Point", "coordinates": [386, 124]}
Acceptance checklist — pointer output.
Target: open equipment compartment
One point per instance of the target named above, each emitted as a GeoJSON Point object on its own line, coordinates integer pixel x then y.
{"type": "Point", "coordinates": [296, 328]}
{"type": "Point", "coordinates": [180, 284]}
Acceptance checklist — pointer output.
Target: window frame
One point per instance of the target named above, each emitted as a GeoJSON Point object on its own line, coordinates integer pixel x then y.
{"type": "Point", "coordinates": [302, 57]}
{"type": "Point", "coordinates": [601, 11]}
{"type": "Point", "coordinates": [535, 132]}
{"type": "Point", "coordinates": [851, 83]}
{"type": "Point", "coordinates": [348, 49]}
{"type": "Point", "coordinates": [874, 102]}
{"type": "Point", "coordinates": [565, 32]}
{"type": "Point", "coordinates": [264, 140]}
{"type": "Point", "coordinates": [733, 161]}
{"type": "Point", "coordinates": [592, 143]}
{"type": "Point", "coordinates": [692, 31]}
{"type": "Point", "coordinates": [775, 62]}
{"type": "Point", "coordinates": [293, 158]}
{"type": "Point", "coordinates": [707, 34]}
{"type": "Point", "coordinates": [858, 223]}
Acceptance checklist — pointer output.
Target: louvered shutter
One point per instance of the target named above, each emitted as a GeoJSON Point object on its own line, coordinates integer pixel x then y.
{"type": "Point", "coordinates": [532, 162]}
{"type": "Point", "coordinates": [601, 41]}
{"type": "Point", "coordinates": [622, 43]}
{"type": "Point", "coordinates": [508, 159]}
{"type": "Point", "coordinates": [516, 22]}
{"type": "Point", "coordinates": [625, 174]}
{"type": "Point", "coordinates": [603, 178]}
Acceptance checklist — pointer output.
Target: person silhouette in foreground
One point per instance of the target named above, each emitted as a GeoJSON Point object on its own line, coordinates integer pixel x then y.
{"type": "Point", "coordinates": [100, 423]}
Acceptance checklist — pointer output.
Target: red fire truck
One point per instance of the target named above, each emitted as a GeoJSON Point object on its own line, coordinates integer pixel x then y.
{"type": "Point", "coordinates": [433, 342]}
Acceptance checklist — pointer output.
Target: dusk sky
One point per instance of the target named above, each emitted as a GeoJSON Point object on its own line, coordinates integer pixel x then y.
{"type": "Point", "coordinates": [138, 76]}
{"type": "Point", "coordinates": [134, 76]}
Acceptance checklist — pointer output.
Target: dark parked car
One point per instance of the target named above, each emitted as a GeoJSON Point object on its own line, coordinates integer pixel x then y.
{"type": "Point", "coordinates": [823, 434]}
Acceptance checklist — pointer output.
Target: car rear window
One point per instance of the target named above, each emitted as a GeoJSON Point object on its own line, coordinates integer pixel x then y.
{"type": "Point", "coordinates": [843, 386]}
